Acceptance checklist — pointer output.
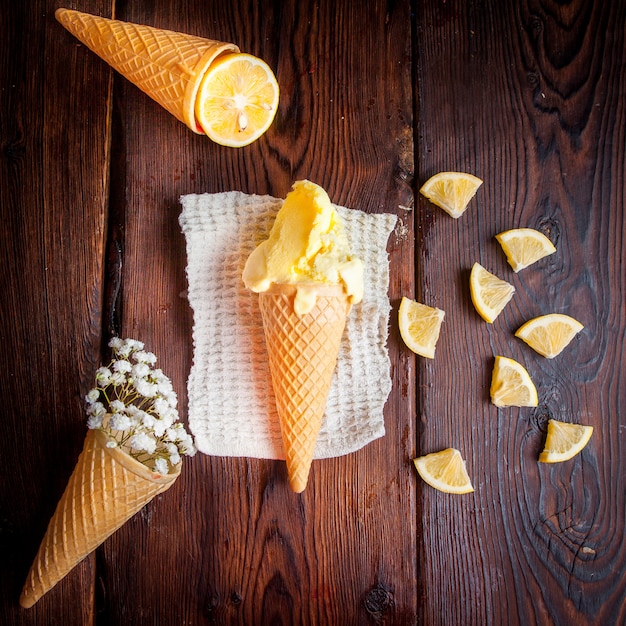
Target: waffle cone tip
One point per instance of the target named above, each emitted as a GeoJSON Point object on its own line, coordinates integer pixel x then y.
{"type": "Point", "coordinates": [298, 482]}
{"type": "Point", "coordinates": [302, 353]}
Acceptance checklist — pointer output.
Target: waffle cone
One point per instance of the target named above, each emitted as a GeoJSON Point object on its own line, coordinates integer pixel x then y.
{"type": "Point", "coordinates": [106, 488]}
{"type": "Point", "coordinates": [302, 354]}
{"type": "Point", "coordinates": [165, 64]}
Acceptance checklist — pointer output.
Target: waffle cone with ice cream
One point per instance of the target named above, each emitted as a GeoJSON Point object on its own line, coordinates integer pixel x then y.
{"type": "Point", "coordinates": [307, 280]}
{"type": "Point", "coordinates": [106, 488]}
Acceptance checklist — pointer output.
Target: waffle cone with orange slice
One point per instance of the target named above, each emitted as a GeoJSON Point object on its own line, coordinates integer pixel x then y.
{"type": "Point", "coordinates": [106, 488]}
{"type": "Point", "coordinates": [302, 352]}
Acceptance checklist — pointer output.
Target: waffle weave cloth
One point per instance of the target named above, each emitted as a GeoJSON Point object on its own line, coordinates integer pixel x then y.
{"type": "Point", "coordinates": [231, 409]}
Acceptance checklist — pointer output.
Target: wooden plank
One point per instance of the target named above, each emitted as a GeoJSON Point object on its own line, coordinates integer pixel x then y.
{"type": "Point", "coordinates": [529, 97]}
{"type": "Point", "coordinates": [235, 545]}
{"type": "Point", "coordinates": [54, 115]}
{"type": "Point", "coordinates": [531, 103]}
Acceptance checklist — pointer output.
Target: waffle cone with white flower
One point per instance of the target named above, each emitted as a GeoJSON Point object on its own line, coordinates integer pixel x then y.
{"type": "Point", "coordinates": [132, 453]}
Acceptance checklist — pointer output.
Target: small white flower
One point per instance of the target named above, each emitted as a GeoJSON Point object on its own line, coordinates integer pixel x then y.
{"type": "Point", "coordinates": [115, 343]}
{"type": "Point", "coordinates": [171, 398]}
{"type": "Point", "coordinates": [117, 406]}
{"type": "Point", "coordinates": [143, 442]}
{"type": "Point", "coordinates": [187, 447]}
{"type": "Point", "coordinates": [135, 345]}
{"type": "Point", "coordinates": [117, 379]}
{"type": "Point", "coordinates": [175, 458]}
{"type": "Point", "coordinates": [161, 406]}
{"type": "Point", "coordinates": [96, 409]}
{"type": "Point", "coordinates": [159, 427]}
{"type": "Point", "coordinates": [158, 375]}
{"type": "Point", "coordinates": [122, 366]}
{"type": "Point", "coordinates": [123, 351]}
{"type": "Point", "coordinates": [92, 396]}
{"type": "Point", "coordinates": [169, 417]}
{"type": "Point", "coordinates": [94, 421]}
{"type": "Point", "coordinates": [165, 385]}
{"type": "Point", "coordinates": [125, 347]}
{"type": "Point", "coordinates": [140, 370]}
{"type": "Point", "coordinates": [119, 421]}
{"type": "Point", "coordinates": [141, 356]}
{"type": "Point", "coordinates": [148, 420]}
{"type": "Point", "coordinates": [171, 434]}
{"type": "Point", "coordinates": [103, 375]}
{"type": "Point", "coordinates": [160, 466]}
{"type": "Point", "coordinates": [111, 443]}
{"type": "Point", "coordinates": [144, 388]}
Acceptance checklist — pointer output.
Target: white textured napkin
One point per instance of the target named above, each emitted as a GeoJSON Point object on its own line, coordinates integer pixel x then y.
{"type": "Point", "coordinates": [231, 403]}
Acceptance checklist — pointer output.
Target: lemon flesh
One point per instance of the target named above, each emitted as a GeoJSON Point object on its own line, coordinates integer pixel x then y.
{"type": "Point", "coordinates": [489, 293]}
{"type": "Point", "coordinates": [445, 471]}
{"type": "Point", "coordinates": [420, 326]}
{"type": "Point", "coordinates": [549, 334]}
{"type": "Point", "coordinates": [237, 100]}
{"type": "Point", "coordinates": [564, 441]}
{"type": "Point", "coordinates": [451, 191]}
{"type": "Point", "coordinates": [524, 246]}
{"type": "Point", "coordinates": [511, 384]}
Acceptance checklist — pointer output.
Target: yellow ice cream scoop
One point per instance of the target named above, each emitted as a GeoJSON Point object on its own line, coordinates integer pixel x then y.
{"type": "Point", "coordinates": [307, 247]}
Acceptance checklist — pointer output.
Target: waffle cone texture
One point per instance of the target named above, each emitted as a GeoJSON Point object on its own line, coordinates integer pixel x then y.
{"type": "Point", "coordinates": [302, 353]}
{"type": "Point", "coordinates": [167, 65]}
{"type": "Point", "coordinates": [106, 488]}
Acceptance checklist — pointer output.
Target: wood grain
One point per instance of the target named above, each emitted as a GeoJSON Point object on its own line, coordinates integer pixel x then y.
{"type": "Point", "coordinates": [55, 111]}
{"type": "Point", "coordinates": [529, 106]}
{"type": "Point", "coordinates": [255, 552]}
{"type": "Point", "coordinates": [528, 95]}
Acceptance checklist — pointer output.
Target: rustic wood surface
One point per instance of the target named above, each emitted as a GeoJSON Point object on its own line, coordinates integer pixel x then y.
{"type": "Point", "coordinates": [375, 98]}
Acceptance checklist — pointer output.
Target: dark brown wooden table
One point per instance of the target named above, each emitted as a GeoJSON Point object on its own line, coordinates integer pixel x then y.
{"type": "Point", "coordinates": [376, 97]}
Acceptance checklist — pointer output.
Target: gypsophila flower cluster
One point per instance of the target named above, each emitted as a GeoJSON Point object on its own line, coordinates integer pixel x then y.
{"type": "Point", "coordinates": [135, 405]}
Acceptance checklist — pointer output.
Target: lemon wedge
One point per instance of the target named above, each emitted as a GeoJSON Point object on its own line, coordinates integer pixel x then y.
{"type": "Point", "coordinates": [237, 100]}
{"type": "Point", "coordinates": [549, 334]}
{"type": "Point", "coordinates": [451, 191]}
{"type": "Point", "coordinates": [564, 441]}
{"type": "Point", "coordinates": [490, 294]}
{"type": "Point", "coordinates": [524, 246]}
{"type": "Point", "coordinates": [445, 471]}
{"type": "Point", "coordinates": [420, 326]}
{"type": "Point", "coordinates": [511, 384]}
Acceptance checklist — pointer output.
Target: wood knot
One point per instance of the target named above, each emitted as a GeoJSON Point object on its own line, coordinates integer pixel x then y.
{"type": "Point", "coordinates": [536, 25]}
{"type": "Point", "coordinates": [211, 605]}
{"type": "Point", "coordinates": [532, 78]}
{"type": "Point", "coordinates": [14, 151]}
{"type": "Point", "coordinates": [378, 601]}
